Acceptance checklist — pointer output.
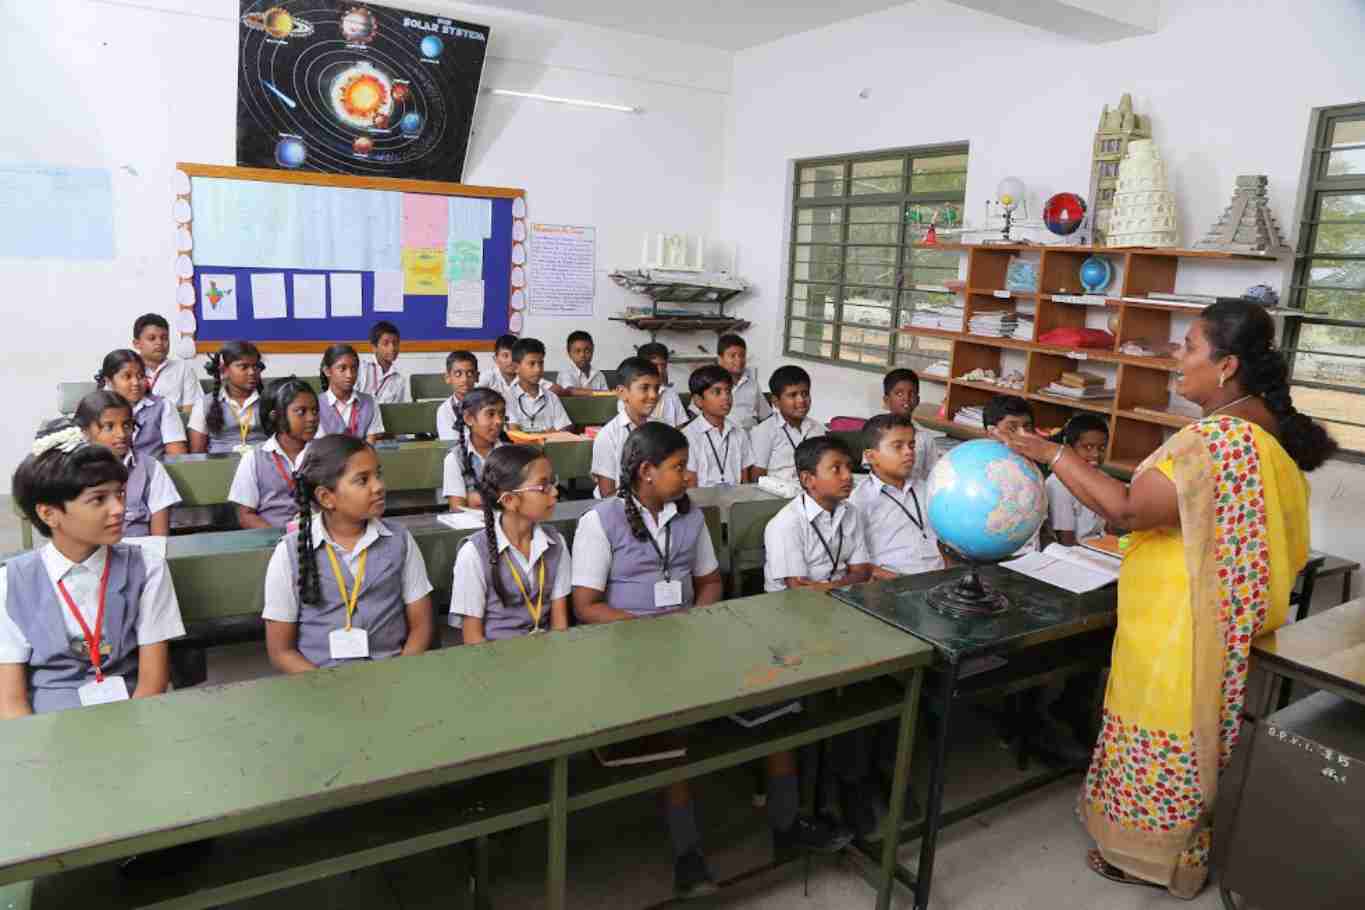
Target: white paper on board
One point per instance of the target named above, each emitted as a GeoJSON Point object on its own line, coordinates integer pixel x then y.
{"type": "Point", "coordinates": [184, 294]}
{"type": "Point", "coordinates": [346, 299]}
{"type": "Point", "coordinates": [267, 295]}
{"type": "Point", "coordinates": [388, 292]}
{"type": "Point", "coordinates": [219, 294]}
{"type": "Point", "coordinates": [310, 296]}
{"type": "Point", "coordinates": [464, 305]}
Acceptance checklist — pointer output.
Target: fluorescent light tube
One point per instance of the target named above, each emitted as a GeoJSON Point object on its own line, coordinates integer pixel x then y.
{"type": "Point", "coordinates": [575, 102]}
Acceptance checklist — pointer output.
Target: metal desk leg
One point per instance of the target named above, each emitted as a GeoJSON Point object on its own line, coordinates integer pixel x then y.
{"type": "Point", "coordinates": [933, 812]}
{"type": "Point", "coordinates": [1346, 585]}
{"type": "Point", "coordinates": [559, 833]}
{"type": "Point", "coordinates": [900, 780]}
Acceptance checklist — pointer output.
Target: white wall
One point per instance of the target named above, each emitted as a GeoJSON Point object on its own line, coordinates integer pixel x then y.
{"type": "Point", "coordinates": [137, 86]}
{"type": "Point", "coordinates": [1228, 85]}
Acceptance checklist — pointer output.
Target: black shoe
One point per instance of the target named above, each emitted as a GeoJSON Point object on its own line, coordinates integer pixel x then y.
{"type": "Point", "coordinates": [691, 878]}
{"type": "Point", "coordinates": [860, 807]}
{"type": "Point", "coordinates": [813, 835]}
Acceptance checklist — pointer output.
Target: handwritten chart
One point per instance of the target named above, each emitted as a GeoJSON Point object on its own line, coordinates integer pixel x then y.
{"type": "Point", "coordinates": [563, 269]}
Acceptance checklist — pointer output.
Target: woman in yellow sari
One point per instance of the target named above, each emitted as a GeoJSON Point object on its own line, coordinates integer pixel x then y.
{"type": "Point", "coordinates": [1220, 531]}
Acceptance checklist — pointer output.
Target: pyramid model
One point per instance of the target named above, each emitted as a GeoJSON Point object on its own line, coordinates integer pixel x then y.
{"type": "Point", "coordinates": [1144, 210]}
{"type": "Point", "coordinates": [1247, 225]}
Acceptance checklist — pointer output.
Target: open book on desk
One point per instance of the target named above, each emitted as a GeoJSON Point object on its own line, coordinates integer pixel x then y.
{"type": "Point", "coordinates": [1073, 569]}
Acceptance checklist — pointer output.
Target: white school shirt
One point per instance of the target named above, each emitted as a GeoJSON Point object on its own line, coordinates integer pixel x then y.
{"type": "Point", "coordinates": [895, 520]}
{"type": "Point", "coordinates": [793, 548]}
{"type": "Point", "coordinates": [536, 414]}
{"type": "Point", "coordinates": [158, 612]}
{"type": "Point", "coordinates": [749, 404]}
{"type": "Point", "coordinates": [172, 427]}
{"type": "Point", "coordinates": [717, 456]}
{"type": "Point", "coordinates": [446, 417]}
{"type": "Point", "coordinates": [246, 484]}
{"type": "Point", "coordinates": [493, 380]}
{"type": "Point", "coordinates": [469, 590]}
{"type": "Point", "coordinates": [387, 388]}
{"type": "Point", "coordinates": [606, 448]}
{"type": "Point", "coordinates": [452, 469]}
{"type": "Point", "coordinates": [199, 415]}
{"type": "Point", "coordinates": [282, 589]}
{"type": "Point", "coordinates": [343, 410]}
{"type": "Point", "coordinates": [1067, 513]}
{"type": "Point", "coordinates": [161, 491]}
{"type": "Point", "coordinates": [572, 378]}
{"type": "Point", "coordinates": [775, 441]}
{"type": "Point", "coordinates": [592, 552]}
{"type": "Point", "coordinates": [176, 381]}
{"type": "Point", "coordinates": [670, 408]}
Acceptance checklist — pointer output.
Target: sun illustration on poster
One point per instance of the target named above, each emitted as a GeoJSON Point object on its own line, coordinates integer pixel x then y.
{"type": "Point", "coordinates": [360, 94]}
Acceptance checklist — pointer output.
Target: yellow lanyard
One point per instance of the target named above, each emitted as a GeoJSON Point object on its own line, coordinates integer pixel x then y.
{"type": "Point", "coordinates": [348, 599]}
{"type": "Point", "coordinates": [243, 426]}
{"type": "Point", "coordinates": [533, 609]}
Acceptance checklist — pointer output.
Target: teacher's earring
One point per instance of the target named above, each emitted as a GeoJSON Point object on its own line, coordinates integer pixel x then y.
{"type": "Point", "coordinates": [1221, 379]}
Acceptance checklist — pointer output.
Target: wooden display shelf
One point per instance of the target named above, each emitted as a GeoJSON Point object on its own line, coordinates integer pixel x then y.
{"type": "Point", "coordinates": [1155, 252]}
{"type": "Point", "coordinates": [1164, 418]}
{"type": "Point", "coordinates": [989, 387]}
{"type": "Point", "coordinates": [1095, 405]}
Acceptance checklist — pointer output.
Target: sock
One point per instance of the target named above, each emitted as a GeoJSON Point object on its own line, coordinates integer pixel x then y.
{"type": "Point", "coordinates": [783, 801]}
{"type": "Point", "coordinates": [682, 829]}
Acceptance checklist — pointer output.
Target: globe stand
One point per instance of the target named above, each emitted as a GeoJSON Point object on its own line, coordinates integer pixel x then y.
{"type": "Point", "coordinates": [967, 597]}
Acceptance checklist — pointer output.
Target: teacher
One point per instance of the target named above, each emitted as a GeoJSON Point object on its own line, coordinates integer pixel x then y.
{"type": "Point", "coordinates": [1219, 521]}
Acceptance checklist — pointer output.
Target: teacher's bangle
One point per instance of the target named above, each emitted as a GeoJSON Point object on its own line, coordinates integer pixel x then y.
{"type": "Point", "coordinates": [1061, 450]}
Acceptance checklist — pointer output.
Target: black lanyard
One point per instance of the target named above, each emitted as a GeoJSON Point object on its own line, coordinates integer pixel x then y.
{"type": "Point", "coordinates": [789, 436]}
{"type": "Point", "coordinates": [544, 401]}
{"type": "Point", "coordinates": [832, 554]}
{"type": "Point", "coordinates": [662, 554]}
{"type": "Point", "coordinates": [917, 519]}
{"type": "Point", "coordinates": [719, 463]}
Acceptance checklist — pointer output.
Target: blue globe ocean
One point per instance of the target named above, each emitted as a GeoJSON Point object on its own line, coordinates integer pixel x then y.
{"type": "Point", "coordinates": [985, 501]}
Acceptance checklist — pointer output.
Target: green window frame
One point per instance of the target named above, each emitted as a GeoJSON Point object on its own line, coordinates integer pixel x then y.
{"type": "Point", "coordinates": [1326, 345]}
{"type": "Point", "coordinates": [854, 273]}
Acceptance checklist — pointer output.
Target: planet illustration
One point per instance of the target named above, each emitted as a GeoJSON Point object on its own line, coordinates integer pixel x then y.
{"type": "Point", "coordinates": [411, 124]}
{"type": "Point", "coordinates": [363, 145]}
{"type": "Point", "coordinates": [432, 47]}
{"type": "Point", "coordinates": [401, 92]}
{"type": "Point", "coordinates": [358, 26]}
{"type": "Point", "coordinates": [290, 152]}
{"type": "Point", "coordinates": [278, 23]}
{"type": "Point", "coordinates": [381, 119]}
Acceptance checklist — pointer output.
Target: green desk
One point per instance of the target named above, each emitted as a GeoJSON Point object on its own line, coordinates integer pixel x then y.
{"type": "Point", "coordinates": [418, 417]}
{"type": "Point", "coordinates": [725, 497]}
{"type": "Point", "coordinates": [231, 761]}
{"type": "Point", "coordinates": [428, 385]}
{"type": "Point", "coordinates": [591, 410]}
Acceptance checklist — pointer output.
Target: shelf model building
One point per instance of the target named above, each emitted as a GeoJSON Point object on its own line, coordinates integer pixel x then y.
{"type": "Point", "coordinates": [1247, 225]}
{"type": "Point", "coordinates": [1144, 210]}
{"type": "Point", "coordinates": [1117, 129]}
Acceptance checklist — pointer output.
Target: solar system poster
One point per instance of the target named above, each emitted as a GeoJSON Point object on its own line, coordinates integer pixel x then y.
{"type": "Point", "coordinates": [356, 88]}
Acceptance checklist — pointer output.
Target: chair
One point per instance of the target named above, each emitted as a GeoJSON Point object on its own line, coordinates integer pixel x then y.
{"type": "Point", "coordinates": [428, 385]}
{"type": "Point", "coordinates": [1301, 601]}
{"type": "Point", "coordinates": [748, 520]}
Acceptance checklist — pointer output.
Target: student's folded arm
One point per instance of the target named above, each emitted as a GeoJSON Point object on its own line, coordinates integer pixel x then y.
{"type": "Point", "coordinates": [590, 606]}
{"type": "Point", "coordinates": [559, 614]}
{"type": "Point", "coordinates": [282, 647]}
{"type": "Point", "coordinates": [159, 525]}
{"type": "Point", "coordinates": [199, 442]}
{"type": "Point", "coordinates": [177, 448]}
{"type": "Point", "coordinates": [248, 517]}
{"type": "Point", "coordinates": [457, 502]}
{"type": "Point", "coordinates": [707, 589]}
{"type": "Point", "coordinates": [471, 630]}
{"type": "Point", "coordinates": [153, 669]}
{"type": "Point", "coordinates": [474, 500]}
{"type": "Point", "coordinates": [420, 626]}
{"type": "Point", "coordinates": [14, 691]}
{"type": "Point", "coordinates": [858, 573]}
{"type": "Point", "coordinates": [882, 573]}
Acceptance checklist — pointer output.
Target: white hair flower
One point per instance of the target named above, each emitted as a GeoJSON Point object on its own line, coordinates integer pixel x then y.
{"type": "Point", "coordinates": [68, 440]}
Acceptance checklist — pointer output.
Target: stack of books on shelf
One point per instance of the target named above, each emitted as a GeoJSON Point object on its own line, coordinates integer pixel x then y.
{"type": "Point", "coordinates": [994, 323]}
{"type": "Point", "coordinates": [1190, 301]}
{"type": "Point", "coordinates": [1079, 385]}
{"type": "Point", "coordinates": [938, 368]}
{"type": "Point", "coordinates": [970, 417]}
{"type": "Point", "coordinates": [943, 316]}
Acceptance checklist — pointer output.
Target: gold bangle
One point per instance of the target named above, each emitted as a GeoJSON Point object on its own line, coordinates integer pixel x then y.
{"type": "Point", "coordinates": [1061, 450]}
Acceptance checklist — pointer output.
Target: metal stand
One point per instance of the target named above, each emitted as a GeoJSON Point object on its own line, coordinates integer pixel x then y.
{"type": "Point", "coordinates": [968, 596]}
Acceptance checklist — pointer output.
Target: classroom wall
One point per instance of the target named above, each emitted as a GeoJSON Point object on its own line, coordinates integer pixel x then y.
{"type": "Point", "coordinates": [1228, 85]}
{"type": "Point", "coordinates": [137, 86]}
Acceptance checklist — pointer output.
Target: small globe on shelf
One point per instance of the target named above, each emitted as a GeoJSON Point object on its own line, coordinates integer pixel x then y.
{"type": "Point", "coordinates": [1096, 274]}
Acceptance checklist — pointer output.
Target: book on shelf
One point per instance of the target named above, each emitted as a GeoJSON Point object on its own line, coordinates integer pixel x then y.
{"type": "Point", "coordinates": [1080, 379]}
{"type": "Point", "coordinates": [1081, 299]}
{"type": "Point", "coordinates": [755, 717]}
{"type": "Point", "coordinates": [1081, 393]}
{"type": "Point", "coordinates": [659, 747]}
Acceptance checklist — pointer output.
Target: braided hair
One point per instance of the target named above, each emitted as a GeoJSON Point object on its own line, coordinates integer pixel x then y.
{"type": "Point", "coordinates": [219, 361]}
{"type": "Point", "coordinates": [652, 444]}
{"type": "Point", "coordinates": [116, 360]}
{"type": "Point", "coordinates": [503, 472]}
{"type": "Point", "coordinates": [60, 467]}
{"type": "Point", "coordinates": [1246, 331]}
{"type": "Point", "coordinates": [475, 401]}
{"type": "Point", "coordinates": [330, 356]}
{"type": "Point", "coordinates": [277, 400]}
{"type": "Point", "coordinates": [326, 463]}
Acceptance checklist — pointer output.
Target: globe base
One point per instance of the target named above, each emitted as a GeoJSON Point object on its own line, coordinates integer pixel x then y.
{"type": "Point", "coordinates": [966, 597]}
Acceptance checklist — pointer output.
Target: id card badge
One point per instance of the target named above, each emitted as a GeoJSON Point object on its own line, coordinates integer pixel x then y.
{"type": "Point", "coordinates": [112, 688]}
{"type": "Point", "coordinates": [349, 644]}
{"type": "Point", "coordinates": [668, 593]}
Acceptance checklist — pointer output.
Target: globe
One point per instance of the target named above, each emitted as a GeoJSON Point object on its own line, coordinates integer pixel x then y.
{"type": "Point", "coordinates": [1096, 274]}
{"type": "Point", "coordinates": [985, 501]}
{"type": "Point", "coordinates": [1063, 213]}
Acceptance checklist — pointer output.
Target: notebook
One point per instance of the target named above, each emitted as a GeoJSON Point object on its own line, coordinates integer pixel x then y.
{"type": "Point", "coordinates": [1073, 569]}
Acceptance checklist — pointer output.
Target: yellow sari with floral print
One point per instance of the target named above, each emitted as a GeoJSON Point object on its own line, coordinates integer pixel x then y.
{"type": "Point", "coordinates": [1190, 601]}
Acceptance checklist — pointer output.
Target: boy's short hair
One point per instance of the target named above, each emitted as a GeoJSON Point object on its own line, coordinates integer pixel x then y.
{"type": "Point", "coordinates": [879, 426]}
{"type": "Point", "coordinates": [576, 336]}
{"type": "Point", "coordinates": [1002, 406]}
{"type": "Point", "coordinates": [381, 328]}
{"type": "Point", "coordinates": [810, 452]}
{"type": "Point", "coordinates": [455, 357]}
{"type": "Point", "coordinates": [784, 377]}
{"type": "Point", "coordinates": [706, 377]}
{"type": "Point", "coordinates": [504, 343]}
{"type": "Point", "coordinates": [651, 349]}
{"type": "Point", "coordinates": [728, 341]}
{"type": "Point", "coordinates": [146, 319]}
{"type": "Point", "coordinates": [526, 346]}
{"type": "Point", "coordinates": [631, 369]}
{"type": "Point", "coordinates": [55, 478]}
{"type": "Point", "coordinates": [896, 377]}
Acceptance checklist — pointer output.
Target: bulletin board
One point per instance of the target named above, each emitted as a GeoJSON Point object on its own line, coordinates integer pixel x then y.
{"type": "Point", "coordinates": [296, 261]}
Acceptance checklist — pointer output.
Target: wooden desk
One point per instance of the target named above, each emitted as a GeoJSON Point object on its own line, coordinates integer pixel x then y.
{"type": "Point", "coordinates": [225, 761]}
{"type": "Point", "coordinates": [1338, 565]}
{"type": "Point", "coordinates": [1326, 651]}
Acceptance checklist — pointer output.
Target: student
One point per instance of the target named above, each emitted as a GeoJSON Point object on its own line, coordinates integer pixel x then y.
{"type": "Point", "coordinates": [343, 409]}
{"type": "Point", "coordinates": [462, 371]}
{"type": "Point", "coordinates": [669, 408]}
{"type": "Point", "coordinates": [638, 392]}
{"type": "Point", "coordinates": [1072, 521]}
{"type": "Point", "coordinates": [263, 487]}
{"type": "Point", "coordinates": [228, 419]}
{"type": "Point", "coordinates": [167, 378]}
{"type": "Point", "coordinates": [817, 540]}
{"type": "Point", "coordinates": [750, 405]}
{"type": "Point", "coordinates": [379, 376]}
{"type": "Point", "coordinates": [503, 375]}
{"type": "Point", "coordinates": [346, 585]}
{"type": "Point", "coordinates": [578, 377]}
{"type": "Point", "coordinates": [480, 432]}
{"type": "Point", "coordinates": [891, 501]}
{"type": "Point", "coordinates": [900, 397]}
{"type": "Point", "coordinates": [106, 418]}
{"type": "Point", "coordinates": [720, 451]}
{"type": "Point", "coordinates": [158, 430]}
{"type": "Point", "coordinates": [775, 439]}
{"type": "Point", "coordinates": [87, 619]}
{"type": "Point", "coordinates": [531, 406]}
{"type": "Point", "coordinates": [1002, 416]}
{"type": "Point", "coordinates": [515, 578]}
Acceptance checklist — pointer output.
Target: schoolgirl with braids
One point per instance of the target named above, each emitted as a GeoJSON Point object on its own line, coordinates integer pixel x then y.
{"type": "Point", "coordinates": [86, 619]}
{"type": "Point", "coordinates": [344, 410]}
{"type": "Point", "coordinates": [263, 486]}
{"type": "Point", "coordinates": [158, 430]}
{"type": "Point", "coordinates": [346, 584]}
{"type": "Point", "coordinates": [106, 418]}
{"type": "Point", "coordinates": [514, 578]}
{"type": "Point", "coordinates": [478, 433]}
{"type": "Point", "coordinates": [228, 419]}
{"type": "Point", "coordinates": [1072, 520]}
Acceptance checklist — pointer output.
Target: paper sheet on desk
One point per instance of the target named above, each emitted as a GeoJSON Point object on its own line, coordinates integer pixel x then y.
{"type": "Point", "coordinates": [1069, 568]}
{"type": "Point", "coordinates": [463, 520]}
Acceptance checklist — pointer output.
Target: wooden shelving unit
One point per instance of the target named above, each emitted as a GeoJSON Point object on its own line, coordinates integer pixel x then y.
{"type": "Point", "coordinates": [1138, 418]}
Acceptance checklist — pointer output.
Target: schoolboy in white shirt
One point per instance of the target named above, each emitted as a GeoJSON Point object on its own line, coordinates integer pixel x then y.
{"type": "Point", "coordinates": [750, 405]}
{"type": "Point", "coordinates": [503, 374]}
{"type": "Point", "coordinates": [379, 375]}
{"type": "Point", "coordinates": [578, 377]}
{"type": "Point", "coordinates": [531, 406]}
{"type": "Point", "coordinates": [776, 438]}
{"type": "Point", "coordinates": [173, 380]}
{"type": "Point", "coordinates": [462, 372]}
{"type": "Point", "coordinates": [719, 452]}
{"type": "Point", "coordinates": [892, 503]}
{"type": "Point", "coordinates": [900, 397]}
{"type": "Point", "coordinates": [1009, 414]}
{"type": "Point", "coordinates": [669, 408]}
{"type": "Point", "coordinates": [637, 391]}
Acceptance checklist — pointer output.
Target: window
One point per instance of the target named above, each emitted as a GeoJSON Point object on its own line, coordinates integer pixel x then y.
{"type": "Point", "coordinates": [855, 274]}
{"type": "Point", "coordinates": [1327, 345]}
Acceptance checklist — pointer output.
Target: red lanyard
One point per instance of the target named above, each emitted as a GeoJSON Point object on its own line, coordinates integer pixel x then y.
{"type": "Point", "coordinates": [279, 466]}
{"type": "Point", "coordinates": [379, 379]}
{"type": "Point", "coordinates": [92, 640]}
{"type": "Point", "coordinates": [156, 374]}
{"type": "Point", "coordinates": [353, 424]}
